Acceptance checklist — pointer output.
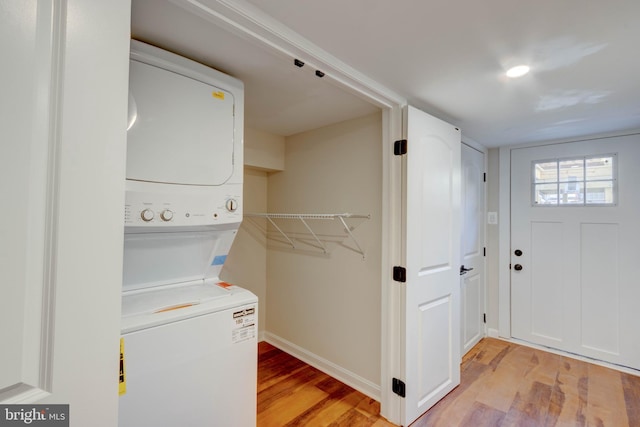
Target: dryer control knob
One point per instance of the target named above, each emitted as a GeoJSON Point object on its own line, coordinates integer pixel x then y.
{"type": "Point", "coordinates": [232, 205]}
{"type": "Point", "coordinates": [146, 215]}
{"type": "Point", "coordinates": [166, 215]}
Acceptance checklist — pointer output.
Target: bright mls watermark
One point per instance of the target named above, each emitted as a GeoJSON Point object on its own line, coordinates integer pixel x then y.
{"type": "Point", "coordinates": [34, 415]}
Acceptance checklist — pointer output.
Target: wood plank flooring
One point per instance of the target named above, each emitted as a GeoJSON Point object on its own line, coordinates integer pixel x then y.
{"type": "Point", "coordinates": [292, 393]}
{"type": "Point", "coordinates": [502, 384]}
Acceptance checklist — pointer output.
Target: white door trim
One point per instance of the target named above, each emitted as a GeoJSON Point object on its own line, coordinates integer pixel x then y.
{"type": "Point", "coordinates": [504, 233]}
{"type": "Point", "coordinates": [392, 295]}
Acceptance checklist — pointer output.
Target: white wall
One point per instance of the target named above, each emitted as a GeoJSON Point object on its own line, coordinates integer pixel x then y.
{"type": "Point", "coordinates": [329, 305]}
{"type": "Point", "coordinates": [325, 306]}
{"type": "Point", "coordinates": [263, 151]}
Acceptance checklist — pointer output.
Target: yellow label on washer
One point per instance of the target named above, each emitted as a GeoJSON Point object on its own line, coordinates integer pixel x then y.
{"type": "Point", "coordinates": [122, 377]}
{"type": "Point", "coordinates": [218, 95]}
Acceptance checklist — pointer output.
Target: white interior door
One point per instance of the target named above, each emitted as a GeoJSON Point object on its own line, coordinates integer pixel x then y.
{"type": "Point", "coordinates": [63, 148]}
{"type": "Point", "coordinates": [573, 281]}
{"type": "Point", "coordinates": [432, 257]}
{"type": "Point", "coordinates": [472, 248]}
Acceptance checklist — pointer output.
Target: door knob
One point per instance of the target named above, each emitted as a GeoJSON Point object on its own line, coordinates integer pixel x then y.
{"type": "Point", "coordinates": [517, 267]}
{"type": "Point", "coordinates": [464, 270]}
{"type": "Point", "coordinates": [518, 252]}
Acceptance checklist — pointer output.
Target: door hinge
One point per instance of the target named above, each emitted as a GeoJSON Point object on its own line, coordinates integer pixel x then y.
{"type": "Point", "coordinates": [484, 317]}
{"type": "Point", "coordinates": [398, 387]}
{"type": "Point", "coordinates": [399, 274]}
{"type": "Point", "coordinates": [509, 266]}
{"type": "Point", "coordinates": [400, 147]}
{"type": "Point", "coordinates": [484, 177]}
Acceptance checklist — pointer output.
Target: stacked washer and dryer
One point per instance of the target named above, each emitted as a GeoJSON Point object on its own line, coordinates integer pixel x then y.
{"type": "Point", "coordinates": [190, 340]}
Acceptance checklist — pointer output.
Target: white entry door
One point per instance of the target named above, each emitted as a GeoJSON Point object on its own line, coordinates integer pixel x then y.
{"type": "Point", "coordinates": [472, 248]}
{"type": "Point", "coordinates": [575, 229]}
{"type": "Point", "coordinates": [432, 261]}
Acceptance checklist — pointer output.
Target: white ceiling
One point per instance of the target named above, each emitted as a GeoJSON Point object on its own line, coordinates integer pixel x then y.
{"type": "Point", "coordinates": [447, 57]}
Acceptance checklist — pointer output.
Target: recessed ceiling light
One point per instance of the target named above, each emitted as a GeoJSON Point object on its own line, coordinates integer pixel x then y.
{"type": "Point", "coordinates": [517, 71]}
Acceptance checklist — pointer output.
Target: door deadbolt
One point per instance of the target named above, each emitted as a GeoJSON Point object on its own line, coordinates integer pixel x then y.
{"type": "Point", "coordinates": [518, 252]}
{"type": "Point", "coordinates": [517, 267]}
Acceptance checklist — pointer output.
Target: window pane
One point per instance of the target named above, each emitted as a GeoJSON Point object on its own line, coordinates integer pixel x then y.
{"type": "Point", "coordinates": [572, 193]}
{"type": "Point", "coordinates": [545, 172]}
{"type": "Point", "coordinates": [600, 192]}
{"type": "Point", "coordinates": [600, 168]}
{"type": "Point", "coordinates": [546, 194]}
{"type": "Point", "coordinates": [572, 170]}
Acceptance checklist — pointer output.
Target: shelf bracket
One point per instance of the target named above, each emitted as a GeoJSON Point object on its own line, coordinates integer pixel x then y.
{"type": "Point", "coordinates": [348, 230]}
{"type": "Point", "coordinates": [281, 232]}
{"type": "Point", "coordinates": [324, 249]}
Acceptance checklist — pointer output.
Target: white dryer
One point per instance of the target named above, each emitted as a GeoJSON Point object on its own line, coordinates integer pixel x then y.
{"type": "Point", "coordinates": [189, 341]}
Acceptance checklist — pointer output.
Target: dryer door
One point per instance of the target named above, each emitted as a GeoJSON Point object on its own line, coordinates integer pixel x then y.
{"type": "Point", "coordinates": [181, 130]}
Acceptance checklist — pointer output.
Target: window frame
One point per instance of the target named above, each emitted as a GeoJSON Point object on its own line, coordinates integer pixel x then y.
{"type": "Point", "coordinates": [583, 183]}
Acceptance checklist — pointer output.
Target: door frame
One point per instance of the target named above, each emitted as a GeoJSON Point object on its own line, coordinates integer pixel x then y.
{"type": "Point", "coordinates": [485, 152]}
{"type": "Point", "coordinates": [504, 230]}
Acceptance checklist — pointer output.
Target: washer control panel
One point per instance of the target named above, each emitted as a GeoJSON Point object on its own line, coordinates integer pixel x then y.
{"type": "Point", "coordinates": [166, 210]}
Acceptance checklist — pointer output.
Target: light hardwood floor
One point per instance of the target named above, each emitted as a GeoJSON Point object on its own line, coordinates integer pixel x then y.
{"type": "Point", "coordinates": [292, 393]}
{"type": "Point", "coordinates": [505, 384]}
{"type": "Point", "coordinates": [502, 384]}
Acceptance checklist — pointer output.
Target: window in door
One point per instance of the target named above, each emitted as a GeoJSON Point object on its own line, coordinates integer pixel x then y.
{"type": "Point", "coordinates": [581, 181]}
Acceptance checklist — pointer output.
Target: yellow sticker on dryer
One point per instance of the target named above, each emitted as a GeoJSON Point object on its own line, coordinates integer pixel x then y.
{"type": "Point", "coordinates": [122, 377]}
{"type": "Point", "coordinates": [218, 95]}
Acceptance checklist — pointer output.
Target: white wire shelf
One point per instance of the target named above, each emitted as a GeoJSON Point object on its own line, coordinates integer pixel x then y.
{"type": "Point", "coordinates": [303, 219]}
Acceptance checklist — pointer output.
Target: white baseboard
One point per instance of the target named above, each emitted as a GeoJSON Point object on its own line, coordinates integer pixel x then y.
{"type": "Point", "coordinates": [349, 378]}
{"type": "Point", "coordinates": [493, 333]}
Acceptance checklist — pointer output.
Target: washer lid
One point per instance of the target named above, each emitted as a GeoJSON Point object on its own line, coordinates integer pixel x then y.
{"type": "Point", "coordinates": [167, 299]}
{"type": "Point", "coordinates": [154, 307]}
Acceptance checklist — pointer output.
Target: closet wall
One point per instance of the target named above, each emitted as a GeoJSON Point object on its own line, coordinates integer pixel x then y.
{"type": "Point", "coordinates": [324, 307]}
{"type": "Point", "coordinates": [329, 305]}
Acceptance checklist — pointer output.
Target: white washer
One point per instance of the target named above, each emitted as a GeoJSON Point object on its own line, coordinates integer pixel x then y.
{"type": "Point", "coordinates": [190, 341]}
{"type": "Point", "coordinates": [190, 357]}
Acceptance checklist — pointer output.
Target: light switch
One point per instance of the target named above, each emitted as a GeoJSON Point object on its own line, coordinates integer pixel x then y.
{"type": "Point", "coordinates": [492, 218]}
